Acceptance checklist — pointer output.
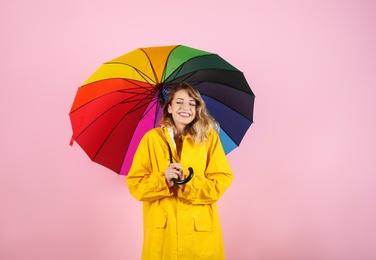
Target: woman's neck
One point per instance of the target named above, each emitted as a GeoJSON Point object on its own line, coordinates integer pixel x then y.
{"type": "Point", "coordinates": [180, 129]}
{"type": "Point", "coordinates": [179, 132]}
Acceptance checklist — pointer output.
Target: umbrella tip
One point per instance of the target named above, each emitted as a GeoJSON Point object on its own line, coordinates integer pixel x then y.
{"type": "Point", "coordinates": [71, 141]}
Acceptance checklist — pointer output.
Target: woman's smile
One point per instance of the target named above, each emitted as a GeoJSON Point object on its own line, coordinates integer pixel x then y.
{"type": "Point", "coordinates": [185, 114]}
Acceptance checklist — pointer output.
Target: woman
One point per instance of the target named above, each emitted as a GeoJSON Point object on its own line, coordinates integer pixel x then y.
{"type": "Point", "coordinates": [181, 221]}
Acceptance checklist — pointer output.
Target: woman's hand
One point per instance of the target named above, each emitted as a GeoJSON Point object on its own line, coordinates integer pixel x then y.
{"type": "Point", "coordinates": [174, 170]}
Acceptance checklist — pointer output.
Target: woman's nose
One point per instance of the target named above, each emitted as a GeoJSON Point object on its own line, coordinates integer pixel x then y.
{"type": "Point", "coordinates": [185, 105]}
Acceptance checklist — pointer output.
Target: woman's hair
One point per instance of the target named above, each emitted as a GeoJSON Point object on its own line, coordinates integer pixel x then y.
{"type": "Point", "coordinates": [203, 122]}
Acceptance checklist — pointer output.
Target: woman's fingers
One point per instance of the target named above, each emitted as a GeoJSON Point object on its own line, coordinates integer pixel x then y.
{"type": "Point", "coordinates": [177, 169]}
{"type": "Point", "coordinates": [174, 171]}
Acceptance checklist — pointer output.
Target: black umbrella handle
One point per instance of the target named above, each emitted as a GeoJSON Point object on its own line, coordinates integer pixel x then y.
{"type": "Point", "coordinates": [176, 181]}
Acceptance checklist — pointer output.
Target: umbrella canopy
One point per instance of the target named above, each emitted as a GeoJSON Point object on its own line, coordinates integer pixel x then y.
{"type": "Point", "coordinates": [122, 100]}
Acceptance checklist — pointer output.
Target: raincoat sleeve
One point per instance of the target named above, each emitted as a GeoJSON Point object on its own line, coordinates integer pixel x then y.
{"type": "Point", "coordinates": [144, 182]}
{"type": "Point", "coordinates": [217, 176]}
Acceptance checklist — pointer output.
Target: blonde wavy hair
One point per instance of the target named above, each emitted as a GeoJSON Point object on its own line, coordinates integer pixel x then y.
{"type": "Point", "coordinates": [203, 123]}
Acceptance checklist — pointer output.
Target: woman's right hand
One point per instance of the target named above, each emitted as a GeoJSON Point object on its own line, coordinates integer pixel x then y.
{"type": "Point", "coordinates": [173, 171]}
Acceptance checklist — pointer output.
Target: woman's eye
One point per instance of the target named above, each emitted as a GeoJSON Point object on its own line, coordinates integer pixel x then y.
{"type": "Point", "coordinates": [192, 104]}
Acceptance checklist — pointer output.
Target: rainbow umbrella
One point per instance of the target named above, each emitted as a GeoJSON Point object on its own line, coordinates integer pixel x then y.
{"type": "Point", "coordinates": [122, 100]}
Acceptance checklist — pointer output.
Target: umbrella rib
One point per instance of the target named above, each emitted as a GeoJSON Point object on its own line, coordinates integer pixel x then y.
{"type": "Point", "coordinates": [151, 65]}
{"type": "Point", "coordinates": [156, 112]}
{"type": "Point", "coordinates": [176, 70]}
{"type": "Point", "coordinates": [232, 139]}
{"type": "Point", "coordinates": [188, 75]}
{"type": "Point", "coordinates": [165, 65]}
{"type": "Point", "coordinates": [120, 90]}
{"type": "Point", "coordinates": [184, 63]}
{"type": "Point", "coordinates": [227, 106]}
{"type": "Point", "coordinates": [154, 103]}
{"type": "Point", "coordinates": [124, 101]}
{"type": "Point", "coordinates": [138, 107]}
{"type": "Point", "coordinates": [143, 75]}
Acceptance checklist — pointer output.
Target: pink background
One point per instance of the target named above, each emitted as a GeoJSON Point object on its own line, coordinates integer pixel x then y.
{"type": "Point", "coordinates": [305, 175]}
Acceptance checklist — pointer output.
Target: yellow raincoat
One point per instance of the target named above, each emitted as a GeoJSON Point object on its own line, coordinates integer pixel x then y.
{"type": "Point", "coordinates": [180, 224]}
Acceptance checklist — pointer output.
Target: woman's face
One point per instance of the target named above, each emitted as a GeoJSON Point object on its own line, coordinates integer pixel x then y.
{"type": "Point", "coordinates": [182, 109]}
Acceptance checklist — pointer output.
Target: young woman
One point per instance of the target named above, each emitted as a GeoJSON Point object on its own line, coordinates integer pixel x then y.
{"type": "Point", "coordinates": [181, 220]}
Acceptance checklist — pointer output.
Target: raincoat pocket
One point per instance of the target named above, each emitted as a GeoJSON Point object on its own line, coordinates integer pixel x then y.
{"type": "Point", "coordinates": [203, 224]}
{"type": "Point", "coordinates": [158, 220]}
{"type": "Point", "coordinates": [155, 231]}
{"type": "Point", "coordinates": [204, 219]}
{"type": "Point", "coordinates": [206, 237]}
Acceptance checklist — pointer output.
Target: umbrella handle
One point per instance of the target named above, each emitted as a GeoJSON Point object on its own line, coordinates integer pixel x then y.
{"type": "Point", "coordinates": [186, 179]}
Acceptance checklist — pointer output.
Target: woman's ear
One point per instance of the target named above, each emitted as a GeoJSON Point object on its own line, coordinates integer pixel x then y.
{"type": "Point", "coordinates": [169, 109]}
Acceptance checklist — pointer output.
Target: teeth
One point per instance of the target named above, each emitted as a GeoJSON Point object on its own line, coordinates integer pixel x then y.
{"type": "Point", "coordinates": [184, 114]}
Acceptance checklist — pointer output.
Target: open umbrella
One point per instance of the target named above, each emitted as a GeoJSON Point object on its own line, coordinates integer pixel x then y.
{"type": "Point", "coordinates": [122, 100]}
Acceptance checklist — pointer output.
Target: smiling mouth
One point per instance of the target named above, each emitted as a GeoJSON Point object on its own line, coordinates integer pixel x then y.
{"type": "Point", "coordinates": [184, 114]}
